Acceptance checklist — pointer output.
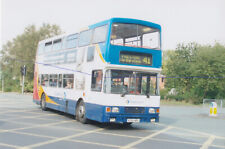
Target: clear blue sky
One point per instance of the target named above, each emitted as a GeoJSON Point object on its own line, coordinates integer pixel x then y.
{"type": "Point", "coordinates": [181, 20]}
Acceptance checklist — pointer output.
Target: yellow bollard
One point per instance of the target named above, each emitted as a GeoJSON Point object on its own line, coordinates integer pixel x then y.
{"type": "Point", "coordinates": [213, 109]}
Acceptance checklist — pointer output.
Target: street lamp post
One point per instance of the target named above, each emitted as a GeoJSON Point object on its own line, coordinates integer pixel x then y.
{"type": "Point", "coordinates": [23, 72]}
{"type": "Point", "coordinates": [2, 79]}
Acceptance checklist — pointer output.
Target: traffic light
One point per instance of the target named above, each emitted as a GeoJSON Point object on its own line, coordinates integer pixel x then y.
{"type": "Point", "coordinates": [23, 70]}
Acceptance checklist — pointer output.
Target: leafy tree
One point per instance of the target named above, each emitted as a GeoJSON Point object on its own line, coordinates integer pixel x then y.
{"type": "Point", "coordinates": [21, 51]}
{"type": "Point", "coordinates": [196, 71]}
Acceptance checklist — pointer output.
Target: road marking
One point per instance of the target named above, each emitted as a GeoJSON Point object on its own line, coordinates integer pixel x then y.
{"type": "Point", "coordinates": [79, 141]}
{"type": "Point", "coordinates": [62, 138]}
{"type": "Point", "coordinates": [35, 135]}
{"type": "Point", "coordinates": [128, 136]}
{"type": "Point", "coordinates": [8, 145]}
{"type": "Point", "coordinates": [35, 126]}
{"type": "Point", "coordinates": [158, 139]}
{"type": "Point", "coordinates": [110, 145]}
{"type": "Point", "coordinates": [146, 138]}
{"type": "Point", "coordinates": [208, 142]}
{"type": "Point", "coordinates": [194, 131]}
{"type": "Point", "coordinates": [120, 135]}
{"type": "Point", "coordinates": [25, 117]}
{"type": "Point", "coordinates": [11, 111]}
{"type": "Point", "coordinates": [94, 143]}
{"type": "Point", "coordinates": [180, 134]}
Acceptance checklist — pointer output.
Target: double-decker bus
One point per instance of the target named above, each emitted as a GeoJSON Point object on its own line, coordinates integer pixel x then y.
{"type": "Point", "coordinates": [107, 72]}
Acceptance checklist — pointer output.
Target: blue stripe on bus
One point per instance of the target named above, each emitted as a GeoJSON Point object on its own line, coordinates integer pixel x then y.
{"type": "Point", "coordinates": [97, 112]}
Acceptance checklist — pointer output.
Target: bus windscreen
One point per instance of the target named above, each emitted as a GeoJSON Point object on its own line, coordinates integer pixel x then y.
{"type": "Point", "coordinates": [135, 35]}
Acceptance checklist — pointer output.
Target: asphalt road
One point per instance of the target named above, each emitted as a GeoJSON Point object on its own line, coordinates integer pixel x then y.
{"type": "Point", "coordinates": [23, 125]}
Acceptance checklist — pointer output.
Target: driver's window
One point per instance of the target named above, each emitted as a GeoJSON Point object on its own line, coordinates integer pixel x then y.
{"type": "Point", "coordinates": [153, 85]}
{"type": "Point", "coordinates": [96, 83]}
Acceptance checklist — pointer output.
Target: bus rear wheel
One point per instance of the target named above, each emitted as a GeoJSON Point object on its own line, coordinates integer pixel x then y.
{"type": "Point", "coordinates": [43, 102]}
{"type": "Point", "coordinates": [81, 112]}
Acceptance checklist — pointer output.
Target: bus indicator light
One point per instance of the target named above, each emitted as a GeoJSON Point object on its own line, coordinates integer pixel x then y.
{"type": "Point", "coordinates": [157, 110]}
{"type": "Point", "coordinates": [108, 109]}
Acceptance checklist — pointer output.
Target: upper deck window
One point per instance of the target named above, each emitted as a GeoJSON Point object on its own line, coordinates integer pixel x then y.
{"type": "Point", "coordinates": [100, 34]}
{"type": "Point", "coordinates": [85, 38]}
{"type": "Point", "coordinates": [48, 46]}
{"type": "Point", "coordinates": [41, 48]}
{"type": "Point", "coordinates": [57, 44]}
{"type": "Point", "coordinates": [71, 41]}
{"type": "Point", "coordinates": [135, 35]}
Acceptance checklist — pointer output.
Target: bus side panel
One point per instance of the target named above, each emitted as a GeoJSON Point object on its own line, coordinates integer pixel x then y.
{"type": "Point", "coordinates": [71, 107]}
{"type": "Point", "coordinates": [63, 105]}
{"type": "Point", "coordinates": [94, 112]}
{"type": "Point", "coordinates": [53, 106]}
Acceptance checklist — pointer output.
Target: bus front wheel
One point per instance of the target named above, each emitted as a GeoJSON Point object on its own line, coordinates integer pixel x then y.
{"type": "Point", "coordinates": [81, 112]}
{"type": "Point", "coordinates": [126, 124]}
{"type": "Point", "coordinates": [43, 102]}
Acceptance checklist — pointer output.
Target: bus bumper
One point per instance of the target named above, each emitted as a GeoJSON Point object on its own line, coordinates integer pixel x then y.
{"type": "Point", "coordinates": [127, 118]}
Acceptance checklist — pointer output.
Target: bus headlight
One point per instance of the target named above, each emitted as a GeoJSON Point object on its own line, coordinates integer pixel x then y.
{"type": "Point", "coordinates": [151, 110]}
{"type": "Point", "coordinates": [115, 110]}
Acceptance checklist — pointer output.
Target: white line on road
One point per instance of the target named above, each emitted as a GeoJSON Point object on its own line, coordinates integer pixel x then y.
{"type": "Point", "coordinates": [146, 138]}
{"type": "Point", "coordinates": [35, 126]}
{"type": "Point", "coordinates": [27, 117]}
{"type": "Point", "coordinates": [61, 139]}
{"type": "Point", "coordinates": [194, 131]}
{"type": "Point", "coordinates": [8, 145]}
{"type": "Point", "coordinates": [208, 142]}
{"type": "Point", "coordinates": [51, 137]}
{"type": "Point", "coordinates": [22, 110]}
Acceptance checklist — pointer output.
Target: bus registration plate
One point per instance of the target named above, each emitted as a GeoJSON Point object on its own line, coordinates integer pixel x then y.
{"type": "Point", "coordinates": [133, 120]}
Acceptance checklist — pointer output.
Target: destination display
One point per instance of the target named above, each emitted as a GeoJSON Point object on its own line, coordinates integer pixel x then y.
{"type": "Point", "coordinates": [135, 58]}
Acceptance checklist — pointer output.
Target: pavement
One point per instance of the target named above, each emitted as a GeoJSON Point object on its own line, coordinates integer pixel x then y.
{"type": "Point", "coordinates": [23, 125]}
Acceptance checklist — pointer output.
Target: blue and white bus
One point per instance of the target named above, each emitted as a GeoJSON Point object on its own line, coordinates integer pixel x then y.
{"type": "Point", "coordinates": [108, 72]}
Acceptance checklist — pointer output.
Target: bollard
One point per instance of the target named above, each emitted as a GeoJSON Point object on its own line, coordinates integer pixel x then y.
{"type": "Point", "coordinates": [213, 109]}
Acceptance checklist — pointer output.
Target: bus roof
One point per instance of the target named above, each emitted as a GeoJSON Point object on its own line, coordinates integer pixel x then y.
{"type": "Point", "coordinates": [126, 20]}
{"type": "Point", "coordinates": [112, 20]}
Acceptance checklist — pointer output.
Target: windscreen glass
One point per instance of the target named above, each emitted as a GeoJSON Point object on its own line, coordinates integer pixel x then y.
{"type": "Point", "coordinates": [130, 82]}
{"type": "Point", "coordinates": [135, 35]}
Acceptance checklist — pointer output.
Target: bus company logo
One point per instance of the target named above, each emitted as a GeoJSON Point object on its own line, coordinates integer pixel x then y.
{"type": "Point", "coordinates": [127, 101]}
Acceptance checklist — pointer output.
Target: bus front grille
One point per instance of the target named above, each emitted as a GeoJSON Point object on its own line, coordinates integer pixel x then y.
{"type": "Point", "coordinates": [134, 110]}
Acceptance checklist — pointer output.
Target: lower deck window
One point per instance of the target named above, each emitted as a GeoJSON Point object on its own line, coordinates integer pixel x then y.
{"type": "Point", "coordinates": [53, 79]}
{"type": "Point", "coordinates": [44, 80]}
{"type": "Point", "coordinates": [68, 81]}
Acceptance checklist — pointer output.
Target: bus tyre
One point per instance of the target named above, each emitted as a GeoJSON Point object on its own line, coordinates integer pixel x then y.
{"type": "Point", "coordinates": [43, 102]}
{"type": "Point", "coordinates": [81, 113]}
{"type": "Point", "coordinates": [126, 124]}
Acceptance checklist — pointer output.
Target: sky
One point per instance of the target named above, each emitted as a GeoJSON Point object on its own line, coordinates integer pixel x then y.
{"type": "Point", "coordinates": [182, 21]}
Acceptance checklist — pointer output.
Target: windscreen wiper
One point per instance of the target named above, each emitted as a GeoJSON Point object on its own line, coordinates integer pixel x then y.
{"type": "Point", "coordinates": [122, 95]}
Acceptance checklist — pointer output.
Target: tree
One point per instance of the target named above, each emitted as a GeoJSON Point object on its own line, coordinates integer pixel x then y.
{"type": "Point", "coordinates": [21, 51]}
{"type": "Point", "coordinates": [196, 71]}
